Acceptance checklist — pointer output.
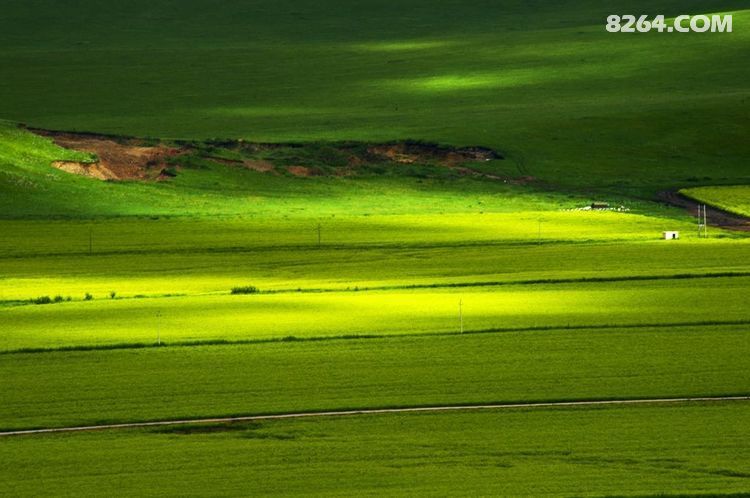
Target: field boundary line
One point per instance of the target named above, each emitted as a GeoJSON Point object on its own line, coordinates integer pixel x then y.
{"type": "Point", "coordinates": [372, 411]}
{"type": "Point", "coordinates": [359, 337]}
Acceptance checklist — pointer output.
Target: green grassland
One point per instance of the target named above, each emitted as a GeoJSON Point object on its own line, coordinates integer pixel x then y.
{"type": "Point", "coordinates": [569, 102]}
{"type": "Point", "coordinates": [735, 199]}
{"type": "Point", "coordinates": [32, 188]}
{"type": "Point", "coordinates": [364, 280]}
{"type": "Point", "coordinates": [685, 450]}
{"type": "Point", "coordinates": [64, 388]}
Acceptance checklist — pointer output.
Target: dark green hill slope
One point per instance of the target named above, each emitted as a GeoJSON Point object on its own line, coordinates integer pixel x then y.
{"type": "Point", "coordinates": [541, 81]}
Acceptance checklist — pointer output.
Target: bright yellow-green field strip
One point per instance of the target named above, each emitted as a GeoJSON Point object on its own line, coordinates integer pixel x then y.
{"type": "Point", "coordinates": [263, 316]}
{"type": "Point", "coordinates": [734, 198]}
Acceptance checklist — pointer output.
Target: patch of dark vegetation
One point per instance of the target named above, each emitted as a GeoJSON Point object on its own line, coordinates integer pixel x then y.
{"type": "Point", "coordinates": [49, 300]}
{"type": "Point", "coordinates": [245, 430]}
{"type": "Point", "coordinates": [195, 428]}
{"type": "Point", "coordinates": [540, 281]}
{"type": "Point", "coordinates": [247, 289]}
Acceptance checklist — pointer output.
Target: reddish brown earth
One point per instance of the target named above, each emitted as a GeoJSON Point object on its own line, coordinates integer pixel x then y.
{"type": "Point", "coordinates": [410, 153]}
{"type": "Point", "coordinates": [118, 159]}
{"type": "Point", "coordinates": [303, 171]}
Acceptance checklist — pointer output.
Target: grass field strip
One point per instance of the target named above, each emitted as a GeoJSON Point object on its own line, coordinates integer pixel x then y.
{"type": "Point", "coordinates": [444, 285]}
{"type": "Point", "coordinates": [272, 340]}
{"type": "Point", "coordinates": [373, 411]}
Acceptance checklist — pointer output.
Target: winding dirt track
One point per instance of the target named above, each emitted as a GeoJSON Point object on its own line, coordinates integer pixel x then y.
{"type": "Point", "coordinates": [716, 217]}
{"type": "Point", "coordinates": [372, 411]}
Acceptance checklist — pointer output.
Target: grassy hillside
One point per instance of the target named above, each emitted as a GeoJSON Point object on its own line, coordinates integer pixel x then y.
{"type": "Point", "coordinates": [543, 81]}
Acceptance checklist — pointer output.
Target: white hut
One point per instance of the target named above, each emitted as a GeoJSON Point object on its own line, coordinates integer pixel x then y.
{"type": "Point", "coordinates": [670, 235]}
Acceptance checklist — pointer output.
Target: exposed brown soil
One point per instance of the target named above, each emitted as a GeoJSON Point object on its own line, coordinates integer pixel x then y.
{"type": "Point", "coordinates": [127, 158]}
{"type": "Point", "coordinates": [303, 171]}
{"type": "Point", "coordinates": [259, 165]}
{"type": "Point", "coordinates": [93, 170]}
{"type": "Point", "coordinates": [410, 153]}
{"type": "Point", "coordinates": [716, 217]}
{"type": "Point", "coordinates": [120, 159]}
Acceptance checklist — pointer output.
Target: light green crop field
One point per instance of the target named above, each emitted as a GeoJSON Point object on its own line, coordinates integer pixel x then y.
{"type": "Point", "coordinates": [735, 199]}
{"type": "Point", "coordinates": [686, 450]}
{"type": "Point", "coordinates": [69, 388]}
{"type": "Point", "coordinates": [365, 280]}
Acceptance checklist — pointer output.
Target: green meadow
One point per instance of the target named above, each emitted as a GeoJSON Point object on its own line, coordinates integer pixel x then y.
{"type": "Point", "coordinates": [685, 450]}
{"type": "Point", "coordinates": [368, 281]}
{"type": "Point", "coordinates": [64, 388]}
{"type": "Point", "coordinates": [544, 83]}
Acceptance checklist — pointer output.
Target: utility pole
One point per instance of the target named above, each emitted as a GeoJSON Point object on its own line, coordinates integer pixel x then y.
{"type": "Point", "coordinates": [461, 314]}
{"type": "Point", "coordinates": [158, 328]}
{"type": "Point", "coordinates": [702, 221]}
{"type": "Point", "coordinates": [539, 233]}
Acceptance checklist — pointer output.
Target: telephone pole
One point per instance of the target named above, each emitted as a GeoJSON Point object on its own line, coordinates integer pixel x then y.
{"type": "Point", "coordinates": [539, 233]}
{"type": "Point", "coordinates": [461, 314]}
{"type": "Point", "coordinates": [702, 221]}
{"type": "Point", "coordinates": [158, 328]}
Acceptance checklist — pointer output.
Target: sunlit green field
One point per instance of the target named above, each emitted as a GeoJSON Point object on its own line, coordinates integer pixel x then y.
{"type": "Point", "coordinates": [735, 199]}
{"type": "Point", "coordinates": [306, 315]}
{"type": "Point", "coordinates": [398, 285]}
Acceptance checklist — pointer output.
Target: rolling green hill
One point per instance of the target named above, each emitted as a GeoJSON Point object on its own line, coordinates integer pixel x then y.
{"type": "Point", "coordinates": [542, 81]}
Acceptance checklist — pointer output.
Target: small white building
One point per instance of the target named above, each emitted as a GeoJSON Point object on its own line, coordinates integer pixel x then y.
{"type": "Point", "coordinates": [670, 235]}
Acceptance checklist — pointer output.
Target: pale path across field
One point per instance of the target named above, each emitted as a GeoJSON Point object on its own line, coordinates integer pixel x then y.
{"type": "Point", "coordinates": [371, 411]}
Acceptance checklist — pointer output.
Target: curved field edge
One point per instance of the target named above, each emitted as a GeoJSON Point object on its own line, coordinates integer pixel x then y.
{"type": "Point", "coordinates": [732, 198]}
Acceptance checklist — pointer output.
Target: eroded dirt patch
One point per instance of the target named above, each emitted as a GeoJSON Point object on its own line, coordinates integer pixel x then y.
{"type": "Point", "coordinates": [116, 158]}
{"type": "Point", "coordinates": [93, 170]}
{"type": "Point", "coordinates": [416, 152]}
{"type": "Point", "coordinates": [304, 171]}
{"type": "Point", "coordinates": [125, 158]}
